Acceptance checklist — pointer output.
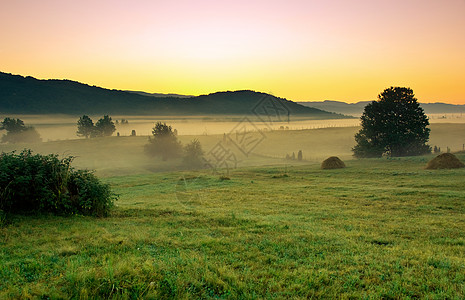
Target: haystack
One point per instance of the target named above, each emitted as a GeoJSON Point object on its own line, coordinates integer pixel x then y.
{"type": "Point", "coordinates": [445, 161]}
{"type": "Point", "coordinates": [333, 162]}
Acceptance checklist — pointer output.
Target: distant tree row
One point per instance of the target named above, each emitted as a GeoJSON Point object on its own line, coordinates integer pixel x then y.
{"type": "Point", "coordinates": [123, 122]}
{"type": "Point", "coordinates": [103, 127]}
{"type": "Point", "coordinates": [18, 132]}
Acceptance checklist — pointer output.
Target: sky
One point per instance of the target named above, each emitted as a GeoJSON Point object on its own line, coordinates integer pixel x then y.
{"type": "Point", "coordinates": [300, 50]}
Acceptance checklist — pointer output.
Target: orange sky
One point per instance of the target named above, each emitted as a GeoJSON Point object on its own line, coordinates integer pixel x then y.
{"type": "Point", "coordinates": [300, 50]}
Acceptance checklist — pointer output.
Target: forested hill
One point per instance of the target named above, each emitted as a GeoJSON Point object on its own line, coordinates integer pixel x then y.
{"type": "Point", "coordinates": [27, 95]}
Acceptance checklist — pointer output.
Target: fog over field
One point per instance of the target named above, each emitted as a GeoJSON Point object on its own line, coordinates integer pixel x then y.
{"type": "Point", "coordinates": [53, 127]}
{"type": "Point", "coordinates": [317, 139]}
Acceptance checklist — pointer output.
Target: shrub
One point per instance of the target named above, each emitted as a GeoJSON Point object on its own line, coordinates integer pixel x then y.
{"type": "Point", "coordinates": [46, 184]}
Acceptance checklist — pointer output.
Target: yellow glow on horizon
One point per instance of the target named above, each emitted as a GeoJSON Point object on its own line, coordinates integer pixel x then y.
{"type": "Point", "coordinates": [300, 50]}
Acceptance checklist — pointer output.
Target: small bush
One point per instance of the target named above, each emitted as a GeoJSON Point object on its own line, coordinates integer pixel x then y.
{"type": "Point", "coordinates": [46, 184]}
{"type": "Point", "coordinates": [333, 162]}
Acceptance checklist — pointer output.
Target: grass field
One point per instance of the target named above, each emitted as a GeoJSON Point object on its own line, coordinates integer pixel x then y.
{"type": "Point", "coordinates": [381, 228]}
{"type": "Point", "coordinates": [378, 229]}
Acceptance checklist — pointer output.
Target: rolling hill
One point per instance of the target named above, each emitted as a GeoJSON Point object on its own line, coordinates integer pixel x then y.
{"type": "Point", "coordinates": [27, 95]}
{"type": "Point", "coordinates": [356, 109]}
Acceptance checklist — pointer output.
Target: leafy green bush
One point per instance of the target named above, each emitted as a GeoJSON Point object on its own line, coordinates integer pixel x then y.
{"type": "Point", "coordinates": [44, 183]}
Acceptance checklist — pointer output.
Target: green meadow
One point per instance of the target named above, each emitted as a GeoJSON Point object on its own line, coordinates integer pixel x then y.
{"type": "Point", "coordinates": [378, 229]}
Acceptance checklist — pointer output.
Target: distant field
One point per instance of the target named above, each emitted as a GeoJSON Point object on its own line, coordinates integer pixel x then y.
{"type": "Point", "coordinates": [383, 229]}
{"type": "Point", "coordinates": [63, 127]}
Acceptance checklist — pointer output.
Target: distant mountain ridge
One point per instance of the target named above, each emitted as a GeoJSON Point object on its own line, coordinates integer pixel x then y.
{"type": "Point", "coordinates": [356, 109]}
{"type": "Point", "coordinates": [160, 94]}
{"type": "Point", "coordinates": [27, 95]}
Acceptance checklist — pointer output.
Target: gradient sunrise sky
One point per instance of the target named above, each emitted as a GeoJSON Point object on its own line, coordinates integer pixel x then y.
{"type": "Point", "coordinates": [300, 50]}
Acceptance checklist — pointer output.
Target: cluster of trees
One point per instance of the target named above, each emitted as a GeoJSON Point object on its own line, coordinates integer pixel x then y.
{"type": "Point", "coordinates": [103, 127]}
{"type": "Point", "coordinates": [123, 122]}
{"type": "Point", "coordinates": [292, 157]}
{"type": "Point", "coordinates": [18, 132]}
{"type": "Point", "coordinates": [164, 143]}
{"type": "Point", "coordinates": [395, 125]}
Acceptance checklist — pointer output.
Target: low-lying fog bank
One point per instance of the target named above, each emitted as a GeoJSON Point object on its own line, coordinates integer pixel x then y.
{"type": "Point", "coordinates": [52, 128]}
{"type": "Point", "coordinates": [63, 127]}
{"type": "Point", "coordinates": [124, 155]}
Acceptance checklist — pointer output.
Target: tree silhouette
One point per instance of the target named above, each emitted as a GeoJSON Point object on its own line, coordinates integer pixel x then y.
{"type": "Point", "coordinates": [164, 142]}
{"type": "Point", "coordinates": [17, 132]}
{"type": "Point", "coordinates": [85, 126]}
{"type": "Point", "coordinates": [395, 125]}
{"type": "Point", "coordinates": [104, 126]}
{"type": "Point", "coordinates": [12, 125]}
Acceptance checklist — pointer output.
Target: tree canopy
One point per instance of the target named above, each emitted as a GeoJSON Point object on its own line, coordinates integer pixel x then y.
{"type": "Point", "coordinates": [85, 126]}
{"type": "Point", "coordinates": [395, 125]}
{"type": "Point", "coordinates": [164, 142]}
{"type": "Point", "coordinates": [12, 125]}
{"type": "Point", "coordinates": [105, 126]}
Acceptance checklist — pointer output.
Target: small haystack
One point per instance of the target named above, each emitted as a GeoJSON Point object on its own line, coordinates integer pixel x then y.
{"type": "Point", "coordinates": [445, 161]}
{"type": "Point", "coordinates": [333, 162]}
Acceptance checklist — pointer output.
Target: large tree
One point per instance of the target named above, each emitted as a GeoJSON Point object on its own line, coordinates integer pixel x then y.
{"type": "Point", "coordinates": [395, 125]}
{"type": "Point", "coordinates": [164, 142]}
